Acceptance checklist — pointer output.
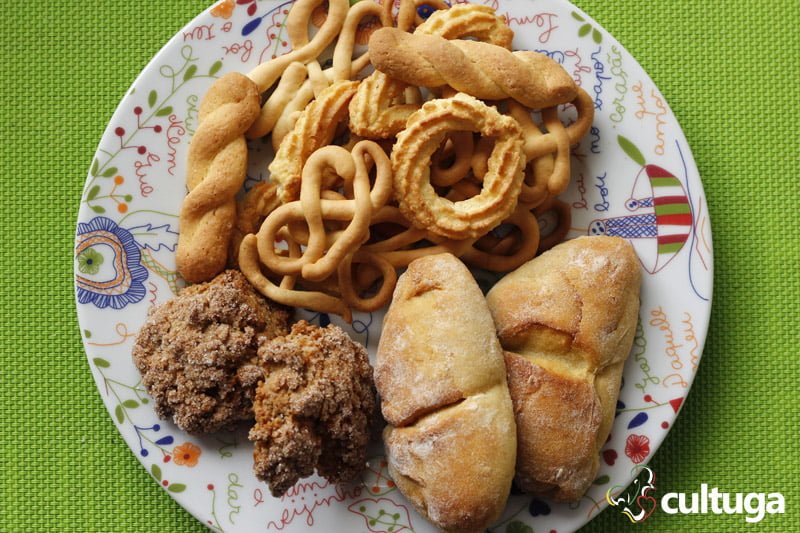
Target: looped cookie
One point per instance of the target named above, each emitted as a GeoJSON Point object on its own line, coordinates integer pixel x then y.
{"type": "Point", "coordinates": [251, 211]}
{"type": "Point", "coordinates": [332, 227]}
{"type": "Point", "coordinates": [304, 49]}
{"type": "Point", "coordinates": [321, 258]}
{"type": "Point", "coordinates": [315, 128]}
{"type": "Point", "coordinates": [548, 172]}
{"type": "Point", "coordinates": [300, 78]}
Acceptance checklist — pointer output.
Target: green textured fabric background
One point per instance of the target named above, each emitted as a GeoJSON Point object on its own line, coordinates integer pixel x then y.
{"type": "Point", "coordinates": [729, 70]}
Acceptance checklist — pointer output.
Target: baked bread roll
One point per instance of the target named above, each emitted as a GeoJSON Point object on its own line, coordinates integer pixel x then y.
{"type": "Point", "coordinates": [566, 320]}
{"type": "Point", "coordinates": [451, 438]}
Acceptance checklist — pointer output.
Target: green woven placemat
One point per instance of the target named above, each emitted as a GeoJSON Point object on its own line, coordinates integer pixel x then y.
{"type": "Point", "coordinates": [727, 68]}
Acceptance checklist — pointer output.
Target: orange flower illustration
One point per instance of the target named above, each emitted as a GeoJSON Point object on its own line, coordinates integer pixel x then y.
{"type": "Point", "coordinates": [224, 9]}
{"type": "Point", "coordinates": [186, 454]}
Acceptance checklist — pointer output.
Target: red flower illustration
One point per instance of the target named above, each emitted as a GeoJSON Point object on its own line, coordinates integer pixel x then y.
{"type": "Point", "coordinates": [637, 448]}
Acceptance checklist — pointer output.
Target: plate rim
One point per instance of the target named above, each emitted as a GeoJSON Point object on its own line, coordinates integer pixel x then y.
{"type": "Point", "coordinates": [166, 50]}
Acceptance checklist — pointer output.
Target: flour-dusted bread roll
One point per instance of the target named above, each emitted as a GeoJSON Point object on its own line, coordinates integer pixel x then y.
{"type": "Point", "coordinates": [451, 438]}
{"type": "Point", "coordinates": [566, 320]}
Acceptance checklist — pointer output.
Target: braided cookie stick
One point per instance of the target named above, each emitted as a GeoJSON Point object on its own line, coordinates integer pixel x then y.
{"type": "Point", "coordinates": [375, 111]}
{"type": "Point", "coordinates": [482, 70]}
{"type": "Point", "coordinates": [216, 169]}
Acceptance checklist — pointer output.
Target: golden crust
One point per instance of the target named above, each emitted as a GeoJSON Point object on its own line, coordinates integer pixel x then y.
{"type": "Point", "coordinates": [428, 461]}
{"type": "Point", "coordinates": [216, 170]}
{"type": "Point", "coordinates": [565, 413]}
{"type": "Point", "coordinates": [568, 319]}
{"type": "Point", "coordinates": [443, 390]}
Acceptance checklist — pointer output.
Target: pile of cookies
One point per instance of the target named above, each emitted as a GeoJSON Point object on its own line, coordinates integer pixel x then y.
{"type": "Point", "coordinates": [444, 156]}
{"type": "Point", "coordinates": [436, 150]}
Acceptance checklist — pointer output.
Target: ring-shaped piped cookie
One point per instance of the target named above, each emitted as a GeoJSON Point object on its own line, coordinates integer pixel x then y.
{"type": "Point", "coordinates": [411, 161]}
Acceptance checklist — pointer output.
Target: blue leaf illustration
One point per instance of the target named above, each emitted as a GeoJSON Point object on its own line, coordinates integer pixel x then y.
{"type": "Point", "coordinates": [155, 237]}
{"type": "Point", "coordinates": [165, 440]}
{"type": "Point", "coordinates": [638, 420]}
{"type": "Point", "coordinates": [250, 27]}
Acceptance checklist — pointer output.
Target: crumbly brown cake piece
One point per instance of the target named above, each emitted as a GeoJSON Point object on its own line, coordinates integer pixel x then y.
{"type": "Point", "coordinates": [197, 353]}
{"type": "Point", "coordinates": [315, 408]}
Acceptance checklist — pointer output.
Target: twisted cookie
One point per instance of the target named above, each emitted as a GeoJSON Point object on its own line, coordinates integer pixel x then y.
{"type": "Point", "coordinates": [379, 109]}
{"type": "Point", "coordinates": [216, 169]}
{"type": "Point", "coordinates": [480, 69]}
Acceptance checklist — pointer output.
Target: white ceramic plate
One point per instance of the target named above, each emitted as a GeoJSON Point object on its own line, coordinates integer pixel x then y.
{"type": "Point", "coordinates": [633, 176]}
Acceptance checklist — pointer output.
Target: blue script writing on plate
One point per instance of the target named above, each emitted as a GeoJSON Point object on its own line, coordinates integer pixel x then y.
{"type": "Point", "coordinates": [599, 78]}
{"type": "Point", "coordinates": [600, 185]}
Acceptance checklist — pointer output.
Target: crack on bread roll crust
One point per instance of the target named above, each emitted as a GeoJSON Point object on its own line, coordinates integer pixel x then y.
{"type": "Point", "coordinates": [566, 320]}
{"type": "Point", "coordinates": [565, 402]}
{"type": "Point", "coordinates": [426, 461]}
{"type": "Point", "coordinates": [443, 388]}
